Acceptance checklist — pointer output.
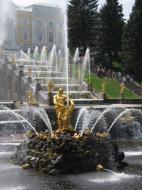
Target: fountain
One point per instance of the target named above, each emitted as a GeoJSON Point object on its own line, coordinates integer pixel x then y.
{"type": "Point", "coordinates": [76, 56]}
{"type": "Point", "coordinates": [4, 15]}
{"type": "Point", "coordinates": [81, 111]}
{"type": "Point", "coordinates": [102, 114]}
{"type": "Point", "coordinates": [19, 118]}
{"type": "Point", "coordinates": [43, 56]}
{"type": "Point", "coordinates": [29, 52]}
{"type": "Point", "coordinates": [66, 51]}
{"type": "Point", "coordinates": [76, 63]}
{"type": "Point", "coordinates": [36, 54]}
{"type": "Point", "coordinates": [86, 65]}
{"type": "Point", "coordinates": [69, 148]}
{"type": "Point", "coordinates": [121, 114]}
{"type": "Point", "coordinates": [53, 60]}
{"type": "Point", "coordinates": [60, 60]}
{"type": "Point", "coordinates": [65, 150]}
{"type": "Point", "coordinates": [43, 115]}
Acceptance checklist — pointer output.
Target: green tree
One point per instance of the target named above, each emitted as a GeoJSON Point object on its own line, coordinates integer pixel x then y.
{"type": "Point", "coordinates": [83, 23]}
{"type": "Point", "coordinates": [111, 32]}
{"type": "Point", "coordinates": [133, 41]}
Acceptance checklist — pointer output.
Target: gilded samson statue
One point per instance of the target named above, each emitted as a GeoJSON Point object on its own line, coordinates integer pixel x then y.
{"type": "Point", "coordinates": [63, 112]}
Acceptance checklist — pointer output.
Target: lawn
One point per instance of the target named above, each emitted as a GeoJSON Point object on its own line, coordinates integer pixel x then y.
{"type": "Point", "coordinates": [112, 87]}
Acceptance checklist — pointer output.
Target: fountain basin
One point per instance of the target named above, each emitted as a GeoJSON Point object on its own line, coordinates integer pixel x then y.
{"type": "Point", "coordinates": [66, 152]}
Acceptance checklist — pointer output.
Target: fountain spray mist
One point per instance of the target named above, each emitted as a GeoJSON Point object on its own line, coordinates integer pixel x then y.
{"type": "Point", "coordinates": [53, 58]}
{"type": "Point", "coordinates": [101, 116]}
{"type": "Point", "coordinates": [4, 14]}
{"type": "Point", "coordinates": [86, 65]}
{"type": "Point", "coordinates": [66, 50]}
{"type": "Point", "coordinates": [76, 56]}
{"type": "Point", "coordinates": [119, 116]}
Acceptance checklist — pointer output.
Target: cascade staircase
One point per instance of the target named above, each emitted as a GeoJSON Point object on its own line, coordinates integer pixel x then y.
{"type": "Point", "coordinates": [134, 87]}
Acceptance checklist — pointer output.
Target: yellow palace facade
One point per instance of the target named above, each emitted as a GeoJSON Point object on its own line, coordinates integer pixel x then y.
{"type": "Point", "coordinates": [35, 25]}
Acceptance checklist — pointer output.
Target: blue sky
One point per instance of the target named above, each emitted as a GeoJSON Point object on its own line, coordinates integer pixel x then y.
{"type": "Point", "coordinates": [127, 4]}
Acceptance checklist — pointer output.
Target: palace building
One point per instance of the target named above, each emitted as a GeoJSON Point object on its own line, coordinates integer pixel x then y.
{"type": "Point", "coordinates": [35, 25]}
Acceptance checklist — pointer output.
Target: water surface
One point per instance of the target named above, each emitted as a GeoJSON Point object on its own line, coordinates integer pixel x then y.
{"type": "Point", "coordinates": [14, 178]}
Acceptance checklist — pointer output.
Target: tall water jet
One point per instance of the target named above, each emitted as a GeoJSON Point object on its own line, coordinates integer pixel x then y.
{"type": "Point", "coordinates": [60, 60]}
{"type": "Point", "coordinates": [86, 65]}
{"type": "Point", "coordinates": [29, 52]}
{"type": "Point", "coordinates": [53, 61]}
{"type": "Point", "coordinates": [35, 57]}
{"type": "Point", "coordinates": [76, 64]}
{"type": "Point", "coordinates": [36, 53]}
{"type": "Point", "coordinates": [5, 6]}
{"type": "Point", "coordinates": [76, 56]}
{"type": "Point", "coordinates": [43, 56]}
{"type": "Point", "coordinates": [66, 50]}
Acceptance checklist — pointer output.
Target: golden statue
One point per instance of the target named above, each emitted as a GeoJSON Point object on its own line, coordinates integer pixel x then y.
{"type": "Point", "coordinates": [104, 94]}
{"type": "Point", "coordinates": [29, 72]}
{"type": "Point", "coordinates": [128, 118]}
{"type": "Point", "coordinates": [122, 89]}
{"type": "Point", "coordinates": [50, 86]}
{"type": "Point", "coordinates": [63, 113]}
{"type": "Point", "coordinates": [102, 135]}
{"type": "Point", "coordinates": [31, 100]}
{"type": "Point", "coordinates": [13, 60]}
{"type": "Point", "coordinates": [100, 168]}
{"type": "Point", "coordinates": [104, 86]}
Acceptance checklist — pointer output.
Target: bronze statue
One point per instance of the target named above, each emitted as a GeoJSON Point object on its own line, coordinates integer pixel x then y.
{"type": "Point", "coordinates": [63, 113]}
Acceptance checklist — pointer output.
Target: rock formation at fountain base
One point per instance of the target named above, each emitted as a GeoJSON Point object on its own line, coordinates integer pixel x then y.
{"type": "Point", "coordinates": [66, 152]}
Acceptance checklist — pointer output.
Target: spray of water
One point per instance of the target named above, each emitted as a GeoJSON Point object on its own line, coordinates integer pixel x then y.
{"type": "Point", "coordinates": [81, 112]}
{"type": "Point", "coordinates": [4, 14]}
{"type": "Point", "coordinates": [43, 115]}
{"type": "Point", "coordinates": [20, 119]}
{"type": "Point", "coordinates": [53, 57]}
{"type": "Point", "coordinates": [66, 50]}
{"type": "Point", "coordinates": [100, 117]}
{"type": "Point", "coordinates": [86, 65]}
{"type": "Point", "coordinates": [120, 115]}
{"type": "Point", "coordinates": [76, 56]}
{"type": "Point", "coordinates": [36, 53]}
{"type": "Point", "coordinates": [43, 56]}
{"type": "Point", "coordinates": [29, 52]}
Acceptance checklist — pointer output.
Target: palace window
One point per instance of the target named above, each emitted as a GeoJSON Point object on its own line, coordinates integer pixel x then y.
{"type": "Point", "coordinates": [51, 37]}
{"type": "Point", "coordinates": [39, 23]}
{"type": "Point", "coordinates": [50, 24]}
{"type": "Point", "coordinates": [25, 35]}
{"type": "Point", "coordinates": [39, 36]}
{"type": "Point", "coordinates": [25, 21]}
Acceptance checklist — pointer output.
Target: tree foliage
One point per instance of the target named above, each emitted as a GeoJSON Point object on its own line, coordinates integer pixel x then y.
{"type": "Point", "coordinates": [83, 22]}
{"type": "Point", "coordinates": [111, 32]}
{"type": "Point", "coordinates": [133, 41]}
